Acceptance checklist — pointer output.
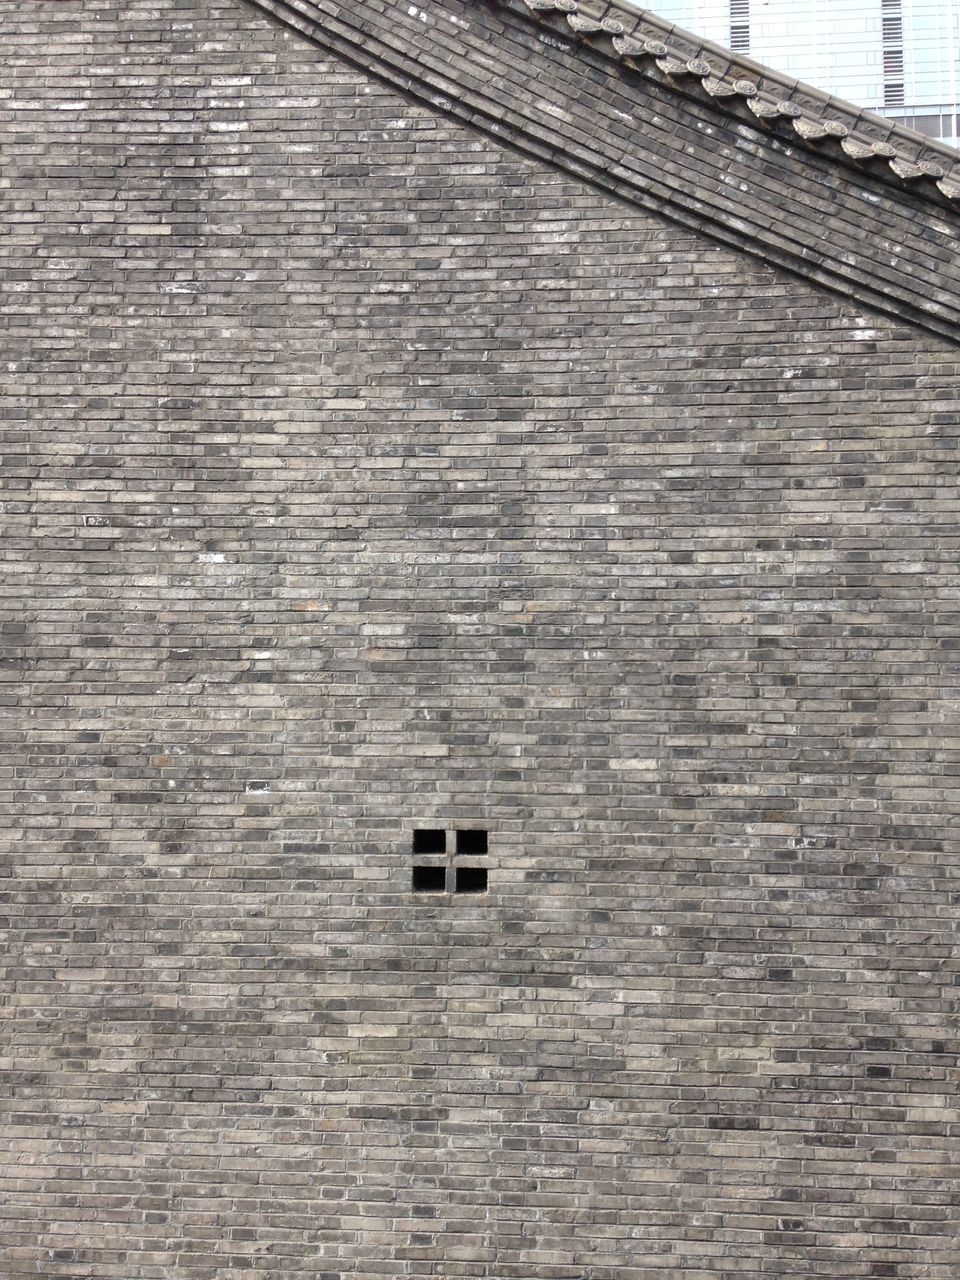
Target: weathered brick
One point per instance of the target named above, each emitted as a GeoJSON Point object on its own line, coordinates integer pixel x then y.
{"type": "Point", "coordinates": [364, 475]}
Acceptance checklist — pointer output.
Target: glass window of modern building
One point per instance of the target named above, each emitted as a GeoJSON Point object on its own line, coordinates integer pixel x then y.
{"type": "Point", "coordinates": [899, 58]}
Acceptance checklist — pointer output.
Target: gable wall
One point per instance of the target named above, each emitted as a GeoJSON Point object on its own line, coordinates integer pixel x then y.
{"type": "Point", "coordinates": [362, 477]}
{"type": "Point", "coordinates": [659, 140]}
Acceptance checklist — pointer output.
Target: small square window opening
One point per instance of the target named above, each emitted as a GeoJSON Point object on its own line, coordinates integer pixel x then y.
{"type": "Point", "coordinates": [473, 843]}
{"type": "Point", "coordinates": [429, 879]}
{"type": "Point", "coordinates": [430, 840]}
{"type": "Point", "coordinates": [471, 880]}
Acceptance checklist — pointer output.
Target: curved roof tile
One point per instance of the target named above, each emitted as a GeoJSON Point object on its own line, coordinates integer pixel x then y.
{"type": "Point", "coordinates": [651, 45]}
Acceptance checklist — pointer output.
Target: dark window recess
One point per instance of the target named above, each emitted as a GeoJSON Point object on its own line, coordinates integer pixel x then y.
{"type": "Point", "coordinates": [740, 25]}
{"type": "Point", "coordinates": [429, 879]}
{"type": "Point", "coordinates": [740, 36]}
{"type": "Point", "coordinates": [472, 842]}
{"type": "Point", "coordinates": [430, 841]}
{"type": "Point", "coordinates": [471, 880]}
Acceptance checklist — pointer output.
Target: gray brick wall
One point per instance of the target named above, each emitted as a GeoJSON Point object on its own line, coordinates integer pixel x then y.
{"type": "Point", "coordinates": [362, 476]}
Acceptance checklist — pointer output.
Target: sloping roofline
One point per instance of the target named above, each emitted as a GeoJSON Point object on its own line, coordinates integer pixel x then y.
{"type": "Point", "coordinates": [657, 119]}
{"type": "Point", "coordinates": [649, 43]}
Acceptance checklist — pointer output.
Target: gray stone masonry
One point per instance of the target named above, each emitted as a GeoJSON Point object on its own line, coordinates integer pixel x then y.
{"type": "Point", "coordinates": [363, 474]}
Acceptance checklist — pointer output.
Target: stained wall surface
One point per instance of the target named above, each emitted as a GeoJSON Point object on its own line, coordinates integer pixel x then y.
{"type": "Point", "coordinates": [360, 477]}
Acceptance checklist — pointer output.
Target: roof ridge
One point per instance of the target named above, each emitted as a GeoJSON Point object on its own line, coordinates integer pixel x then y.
{"type": "Point", "coordinates": [647, 43]}
{"type": "Point", "coordinates": [814, 210]}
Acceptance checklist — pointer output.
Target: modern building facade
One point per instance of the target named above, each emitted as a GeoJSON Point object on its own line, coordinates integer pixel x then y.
{"type": "Point", "coordinates": [479, 670]}
{"type": "Point", "coordinates": [900, 58]}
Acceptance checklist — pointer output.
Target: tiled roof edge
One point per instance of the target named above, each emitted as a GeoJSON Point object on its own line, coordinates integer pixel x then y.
{"type": "Point", "coordinates": [859, 138]}
{"type": "Point", "coordinates": [386, 39]}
